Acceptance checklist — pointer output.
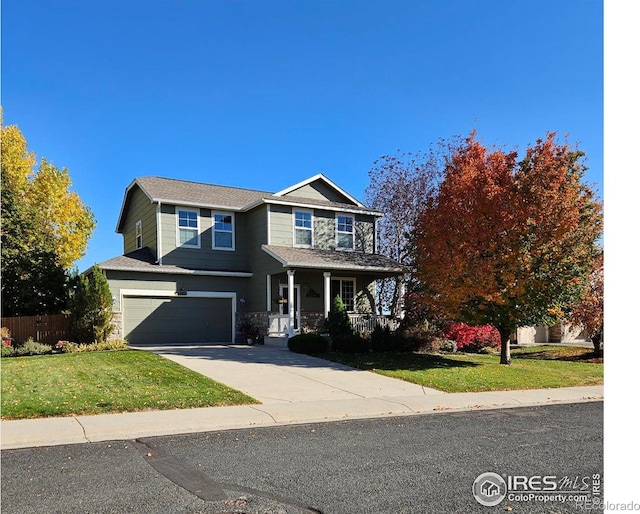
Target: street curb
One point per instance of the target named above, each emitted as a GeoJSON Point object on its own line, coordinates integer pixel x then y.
{"type": "Point", "coordinates": [28, 433]}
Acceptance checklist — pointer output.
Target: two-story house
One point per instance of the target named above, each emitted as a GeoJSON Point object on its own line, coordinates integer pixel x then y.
{"type": "Point", "coordinates": [198, 257]}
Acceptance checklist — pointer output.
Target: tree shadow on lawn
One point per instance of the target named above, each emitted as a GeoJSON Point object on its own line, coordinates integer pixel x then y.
{"type": "Point", "coordinates": [587, 356]}
{"type": "Point", "coordinates": [409, 362]}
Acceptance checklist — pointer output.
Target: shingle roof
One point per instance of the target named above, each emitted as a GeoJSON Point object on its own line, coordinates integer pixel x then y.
{"type": "Point", "coordinates": [143, 261]}
{"type": "Point", "coordinates": [205, 195]}
{"type": "Point", "coordinates": [134, 261]}
{"type": "Point", "coordinates": [234, 198]}
{"type": "Point", "coordinates": [333, 259]}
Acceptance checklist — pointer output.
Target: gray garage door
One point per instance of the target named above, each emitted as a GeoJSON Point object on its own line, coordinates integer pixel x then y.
{"type": "Point", "coordinates": [152, 320]}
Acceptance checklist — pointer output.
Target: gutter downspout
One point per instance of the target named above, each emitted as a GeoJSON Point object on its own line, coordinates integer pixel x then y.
{"type": "Point", "coordinates": [159, 233]}
{"type": "Point", "coordinates": [291, 301]}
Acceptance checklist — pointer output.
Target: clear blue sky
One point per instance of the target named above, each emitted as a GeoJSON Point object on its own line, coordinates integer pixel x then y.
{"type": "Point", "coordinates": [265, 93]}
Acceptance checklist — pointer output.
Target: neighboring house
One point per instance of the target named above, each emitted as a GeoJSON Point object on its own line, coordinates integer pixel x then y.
{"type": "Point", "coordinates": [562, 333]}
{"type": "Point", "coordinates": [199, 257]}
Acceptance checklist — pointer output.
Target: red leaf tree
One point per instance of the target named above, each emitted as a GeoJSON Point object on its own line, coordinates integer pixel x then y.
{"type": "Point", "coordinates": [507, 242]}
{"type": "Point", "coordinates": [589, 311]}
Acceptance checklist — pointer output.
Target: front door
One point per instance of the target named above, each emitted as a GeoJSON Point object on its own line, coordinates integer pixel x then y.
{"type": "Point", "coordinates": [284, 307]}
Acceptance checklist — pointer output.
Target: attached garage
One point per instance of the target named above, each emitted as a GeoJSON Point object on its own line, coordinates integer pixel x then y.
{"type": "Point", "coordinates": [158, 319]}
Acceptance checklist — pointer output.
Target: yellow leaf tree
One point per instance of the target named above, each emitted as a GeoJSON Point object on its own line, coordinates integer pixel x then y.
{"type": "Point", "coordinates": [45, 229]}
{"type": "Point", "coordinates": [60, 212]}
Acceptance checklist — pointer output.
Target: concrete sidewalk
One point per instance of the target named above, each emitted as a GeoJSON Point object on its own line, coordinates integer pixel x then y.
{"type": "Point", "coordinates": [293, 389]}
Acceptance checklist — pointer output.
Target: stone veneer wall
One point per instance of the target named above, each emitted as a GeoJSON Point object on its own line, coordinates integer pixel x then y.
{"type": "Point", "coordinates": [259, 319]}
{"type": "Point", "coordinates": [117, 323]}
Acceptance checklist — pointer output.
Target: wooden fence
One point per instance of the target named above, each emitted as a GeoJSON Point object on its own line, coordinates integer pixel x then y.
{"type": "Point", "coordinates": [45, 329]}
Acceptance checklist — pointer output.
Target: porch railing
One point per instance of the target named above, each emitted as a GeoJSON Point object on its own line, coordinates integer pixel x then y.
{"type": "Point", "coordinates": [278, 324]}
{"type": "Point", "coordinates": [362, 323]}
{"type": "Point", "coordinates": [366, 323]}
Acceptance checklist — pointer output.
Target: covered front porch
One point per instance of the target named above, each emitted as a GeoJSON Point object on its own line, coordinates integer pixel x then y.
{"type": "Point", "coordinates": [299, 297]}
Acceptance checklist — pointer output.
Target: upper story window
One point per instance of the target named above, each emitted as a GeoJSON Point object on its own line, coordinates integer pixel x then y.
{"type": "Point", "coordinates": [303, 228]}
{"type": "Point", "coordinates": [138, 234]}
{"type": "Point", "coordinates": [223, 231]}
{"type": "Point", "coordinates": [188, 228]}
{"type": "Point", "coordinates": [344, 232]}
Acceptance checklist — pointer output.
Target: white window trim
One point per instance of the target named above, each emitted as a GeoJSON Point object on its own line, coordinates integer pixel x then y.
{"type": "Point", "coordinates": [197, 229]}
{"type": "Point", "coordinates": [233, 231]}
{"type": "Point", "coordinates": [353, 234]}
{"type": "Point", "coordinates": [138, 233]}
{"type": "Point", "coordinates": [293, 213]}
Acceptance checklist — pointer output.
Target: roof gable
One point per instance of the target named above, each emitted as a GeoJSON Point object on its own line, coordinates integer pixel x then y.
{"type": "Point", "coordinates": [319, 187]}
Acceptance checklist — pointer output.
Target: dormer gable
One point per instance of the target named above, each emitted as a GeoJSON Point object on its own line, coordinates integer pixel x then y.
{"type": "Point", "coordinates": [320, 188]}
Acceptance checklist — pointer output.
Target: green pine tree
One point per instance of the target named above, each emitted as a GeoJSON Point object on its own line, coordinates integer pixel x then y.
{"type": "Point", "coordinates": [91, 307]}
{"type": "Point", "coordinates": [338, 324]}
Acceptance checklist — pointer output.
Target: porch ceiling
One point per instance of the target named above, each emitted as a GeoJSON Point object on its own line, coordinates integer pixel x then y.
{"type": "Point", "coordinates": [333, 260]}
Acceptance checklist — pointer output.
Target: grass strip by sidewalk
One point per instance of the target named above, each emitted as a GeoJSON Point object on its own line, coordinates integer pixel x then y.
{"type": "Point", "coordinates": [531, 368]}
{"type": "Point", "coordinates": [101, 382]}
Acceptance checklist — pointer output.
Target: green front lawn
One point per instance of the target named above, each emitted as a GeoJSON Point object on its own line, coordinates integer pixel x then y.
{"type": "Point", "coordinates": [100, 382]}
{"type": "Point", "coordinates": [537, 367]}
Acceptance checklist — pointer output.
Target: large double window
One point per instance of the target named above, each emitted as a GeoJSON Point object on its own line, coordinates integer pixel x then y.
{"type": "Point", "coordinates": [345, 288]}
{"type": "Point", "coordinates": [344, 232]}
{"type": "Point", "coordinates": [223, 231]}
{"type": "Point", "coordinates": [303, 228]}
{"type": "Point", "coordinates": [188, 228]}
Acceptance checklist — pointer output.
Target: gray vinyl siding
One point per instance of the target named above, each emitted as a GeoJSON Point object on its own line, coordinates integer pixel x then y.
{"type": "Point", "coordinates": [261, 263]}
{"type": "Point", "coordinates": [140, 209]}
{"type": "Point", "coordinates": [318, 190]}
{"type": "Point", "coordinates": [281, 223]}
{"type": "Point", "coordinates": [256, 227]}
{"type": "Point", "coordinates": [204, 257]}
{"type": "Point", "coordinates": [365, 231]}
{"type": "Point", "coordinates": [324, 229]}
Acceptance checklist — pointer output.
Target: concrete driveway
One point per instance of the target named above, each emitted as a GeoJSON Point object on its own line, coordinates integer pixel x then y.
{"type": "Point", "coordinates": [276, 375]}
{"type": "Point", "coordinates": [293, 389]}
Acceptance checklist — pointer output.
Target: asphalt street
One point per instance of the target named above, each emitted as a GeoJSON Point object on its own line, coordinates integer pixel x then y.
{"type": "Point", "coordinates": [413, 464]}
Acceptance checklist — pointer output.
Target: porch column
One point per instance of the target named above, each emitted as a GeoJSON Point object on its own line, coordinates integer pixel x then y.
{"type": "Point", "coordinates": [401, 293]}
{"type": "Point", "coordinates": [268, 293]}
{"type": "Point", "coordinates": [327, 293]}
{"type": "Point", "coordinates": [291, 301]}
